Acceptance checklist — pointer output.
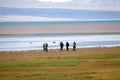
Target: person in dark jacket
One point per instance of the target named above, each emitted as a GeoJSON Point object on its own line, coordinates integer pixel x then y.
{"type": "Point", "coordinates": [46, 46]}
{"type": "Point", "coordinates": [61, 46]}
{"type": "Point", "coordinates": [67, 46]}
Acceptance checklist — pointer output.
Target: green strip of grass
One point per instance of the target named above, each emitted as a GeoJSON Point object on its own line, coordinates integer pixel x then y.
{"type": "Point", "coordinates": [48, 61]}
{"type": "Point", "coordinates": [54, 75]}
{"type": "Point", "coordinates": [59, 61]}
{"type": "Point", "coordinates": [100, 56]}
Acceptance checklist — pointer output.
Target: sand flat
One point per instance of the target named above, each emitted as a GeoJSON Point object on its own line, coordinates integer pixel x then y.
{"type": "Point", "coordinates": [56, 53]}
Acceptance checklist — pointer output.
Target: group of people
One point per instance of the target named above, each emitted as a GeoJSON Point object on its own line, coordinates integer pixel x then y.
{"type": "Point", "coordinates": [67, 46]}
{"type": "Point", "coordinates": [45, 46]}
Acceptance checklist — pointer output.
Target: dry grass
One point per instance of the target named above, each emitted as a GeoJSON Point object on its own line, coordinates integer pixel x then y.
{"type": "Point", "coordinates": [83, 64]}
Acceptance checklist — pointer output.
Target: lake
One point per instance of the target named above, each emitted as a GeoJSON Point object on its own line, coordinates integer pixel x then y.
{"type": "Point", "coordinates": [18, 43]}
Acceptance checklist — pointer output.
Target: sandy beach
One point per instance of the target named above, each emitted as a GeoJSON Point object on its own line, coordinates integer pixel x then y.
{"type": "Point", "coordinates": [30, 54]}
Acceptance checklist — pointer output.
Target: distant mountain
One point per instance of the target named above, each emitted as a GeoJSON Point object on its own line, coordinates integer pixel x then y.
{"type": "Point", "coordinates": [60, 13]}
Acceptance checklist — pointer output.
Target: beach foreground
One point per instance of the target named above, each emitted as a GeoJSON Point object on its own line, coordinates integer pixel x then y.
{"type": "Point", "coordinates": [83, 64]}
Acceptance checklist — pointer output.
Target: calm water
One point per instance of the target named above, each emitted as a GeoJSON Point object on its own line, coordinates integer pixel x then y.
{"type": "Point", "coordinates": [13, 43]}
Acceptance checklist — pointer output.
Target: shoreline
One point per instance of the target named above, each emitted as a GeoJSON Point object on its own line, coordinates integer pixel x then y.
{"type": "Point", "coordinates": [55, 49]}
{"type": "Point", "coordinates": [64, 50]}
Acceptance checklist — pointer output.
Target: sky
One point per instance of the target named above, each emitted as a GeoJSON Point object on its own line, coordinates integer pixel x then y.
{"type": "Point", "coordinates": [99, 5]}
{"type": "Point", "coordinates": [55, 0]}
{"type": "Point", "coordinates": [111, 5]}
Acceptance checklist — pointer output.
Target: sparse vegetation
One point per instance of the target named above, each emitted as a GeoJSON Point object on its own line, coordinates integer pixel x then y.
{"type": "Point", "coordinates": [56, 65]}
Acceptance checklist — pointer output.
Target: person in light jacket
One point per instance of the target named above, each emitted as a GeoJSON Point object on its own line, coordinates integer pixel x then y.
{"type": "Point", "coordinates": [74, 46]}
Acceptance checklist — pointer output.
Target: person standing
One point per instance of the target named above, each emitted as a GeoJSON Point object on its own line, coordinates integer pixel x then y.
{"type": "Point", "coordinates": [46, 47]}
{"type": "Point", "coordinates": [74, 46]}
{"type": "Point", "coordinates": [67, 46]}
{"type": "Point", "coordinates": [61, 46]}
